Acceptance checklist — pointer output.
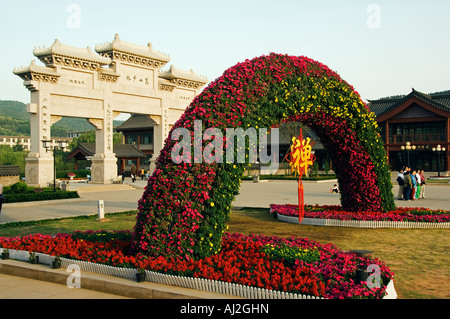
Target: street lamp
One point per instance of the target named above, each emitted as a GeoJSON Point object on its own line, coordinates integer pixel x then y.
{"type": "Point", "coordinates": [438, 149]}
{"type": "Point", "coordinates": [47, 144]}
{"type": "Point", "coordinates": [408, 147]}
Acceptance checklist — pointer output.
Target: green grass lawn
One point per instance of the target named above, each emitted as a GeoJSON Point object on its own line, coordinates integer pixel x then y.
{"type": "Point", "coordinates": [419, 258]}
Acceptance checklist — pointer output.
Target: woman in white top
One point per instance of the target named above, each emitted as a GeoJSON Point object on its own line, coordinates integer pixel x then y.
{"type": "Point", "coordinates": [418, 184]}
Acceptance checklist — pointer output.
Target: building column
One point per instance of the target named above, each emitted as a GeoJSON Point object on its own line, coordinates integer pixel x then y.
{"type": "Point", "coordinates": [39, 162]}
{"type": "Point", "coordinates": [160, 133]}
{"type": "Point", "coordinates": [104, 161]}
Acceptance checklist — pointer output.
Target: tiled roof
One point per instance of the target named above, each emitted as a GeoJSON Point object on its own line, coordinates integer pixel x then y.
{"type": "Point", "coordinates": [33, 67]}
{"type": "Point", "coordinates": [174, 73]}
{"type": "Point", "coordinates": [440, 100]}
{"type": "Point", "coordinates": [121, 150]}
{"type": "Point", "coordinates": [123, 46]}
{"type": "Point", "coordinates": [137, 122]}
{"type": "Point", "coordinates": [58, 48]}
{"type": "Point", "coordinates": [9, 170]}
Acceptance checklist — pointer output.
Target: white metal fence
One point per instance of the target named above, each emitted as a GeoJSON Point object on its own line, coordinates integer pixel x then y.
{"type": "Point", "coordinates": [361, 223]}
{"type": "Point", "coordinates": [202, 284]}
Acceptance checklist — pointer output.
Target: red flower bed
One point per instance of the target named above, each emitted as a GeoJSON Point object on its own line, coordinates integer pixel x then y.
{"type": "Point", "coordinates": [416, 214]}
{"type": "Point", "coordinates": [259, 261]}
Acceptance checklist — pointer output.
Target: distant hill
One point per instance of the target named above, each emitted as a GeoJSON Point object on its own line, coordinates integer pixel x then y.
{"type": "Point", "coordinates": [15, 120]}
{"type": "Point", "coordinates": [14, 109]}
{"type": "Point", "coordinates": [12, 126]}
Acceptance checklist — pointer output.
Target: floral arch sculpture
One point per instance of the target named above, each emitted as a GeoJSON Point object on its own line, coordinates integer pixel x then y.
{"type": "Point", "coordinates": [184, 209]}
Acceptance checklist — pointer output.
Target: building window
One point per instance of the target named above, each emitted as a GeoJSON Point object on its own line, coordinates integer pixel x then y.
{"type": "Point", "coordinates": [131, 138]}
{"type": "Point", "coordinates": [427, 132]}
{"type": "Point", "coordinates": [146, 138]}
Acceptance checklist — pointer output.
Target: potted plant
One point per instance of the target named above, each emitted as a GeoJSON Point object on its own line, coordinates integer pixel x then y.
{"type": "Point", "coordinates": [56, 263]}
{"type": "Point", "coordinates": [5, 253]}
{"type": "Point", "coordinates": [140, 276]}
{"type": "Point", "coordinates": [33, 258]}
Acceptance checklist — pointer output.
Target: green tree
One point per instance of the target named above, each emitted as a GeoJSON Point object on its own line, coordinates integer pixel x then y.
{"type": "Point", "coordinates": [89, 137]}
{"type": "Point", "coordinates": [10, 157]}
{"type": "Point", "coordinates": [18, 147]}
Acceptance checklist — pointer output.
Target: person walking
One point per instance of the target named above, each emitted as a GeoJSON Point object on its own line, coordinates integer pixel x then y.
{"type": "Point", "coordinates": [414, 184]}
{"type": "Point", "coordinates": [401, 183]}
{"type": "Point", "coordinates": [418, 182]}
{"type": "Point", "coordinates": [423, 179]}
{"type": "Point", "coordinates": [2, 198]}
{"type": "Point", "coordinates": [407, 186]}
{"type": "Point", "coordinates": [133, 173]}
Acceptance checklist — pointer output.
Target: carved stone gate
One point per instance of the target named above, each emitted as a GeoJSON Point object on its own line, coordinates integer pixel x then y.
{"type": "Point", "coordinates": [119, 77]}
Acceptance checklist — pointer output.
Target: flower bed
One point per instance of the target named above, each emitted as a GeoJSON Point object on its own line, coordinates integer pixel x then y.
{"type": "Point", "coordinates": [292, 265]}
{"type": "Point", "coordinates": [403, 214]}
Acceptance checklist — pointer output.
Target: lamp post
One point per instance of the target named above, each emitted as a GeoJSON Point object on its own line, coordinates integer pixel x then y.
{"type": "Point", "coordinates": [47, 144]}
{"type": "Point", "coordinates": [438, 149]}
{"type": "Point", "coordinates": [408, 147]}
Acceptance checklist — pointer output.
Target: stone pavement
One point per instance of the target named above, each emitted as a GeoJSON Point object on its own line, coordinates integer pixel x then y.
{"type": "Point", "coordinates": [285, 192]}
{"type": "Point", "coordinates": [22, 280]}
{"type": "Point", "coordinates": [18, 287]}
{"type": "Point", "coordinates": [115, 200]}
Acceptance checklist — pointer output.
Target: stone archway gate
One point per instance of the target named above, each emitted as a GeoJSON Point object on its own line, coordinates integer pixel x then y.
{"type": "Point", "coordinates": [119, 77]}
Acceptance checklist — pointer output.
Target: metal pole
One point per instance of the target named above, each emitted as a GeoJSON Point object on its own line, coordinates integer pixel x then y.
{"type": "Point", "coordinates": [301, 207]}
{"type": "Point", "coordinates": [54, 169]}
{"type": "Point", "coordinates": [438, 163]}
{"type": "Point", "coordinates": [407, 152]}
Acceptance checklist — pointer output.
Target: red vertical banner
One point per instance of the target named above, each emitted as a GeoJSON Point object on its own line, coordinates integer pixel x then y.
{"type": "Point", "coordinates": [301, 205]}
{"type": "Point", "coordinates": [300, 157]}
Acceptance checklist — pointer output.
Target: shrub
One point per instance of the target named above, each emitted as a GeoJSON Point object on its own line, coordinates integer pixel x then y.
{"type": "Point", "coordinates": [19, 188]}
{"type": "Point", "coordinates": [30, 197]}
{"type": "Point", "coordinates": [290, 254]}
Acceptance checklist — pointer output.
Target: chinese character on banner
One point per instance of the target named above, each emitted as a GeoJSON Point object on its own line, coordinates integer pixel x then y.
{"type": "Point", "coordinates": [300, 158]}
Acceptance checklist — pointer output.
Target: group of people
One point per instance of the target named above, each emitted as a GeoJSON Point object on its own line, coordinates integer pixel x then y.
{"type": "Point", "coordinates": [411, 184]}
{"type": "Point", "coordinates": [133, 175]}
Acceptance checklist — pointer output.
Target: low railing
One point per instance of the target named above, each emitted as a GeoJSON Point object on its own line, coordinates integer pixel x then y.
{"type": "Point", "coordinates": [214, 286]}
{"type": "Point", "coordinates": [361, 223]}
{"type": "Point", "coordinates": [423, 138]}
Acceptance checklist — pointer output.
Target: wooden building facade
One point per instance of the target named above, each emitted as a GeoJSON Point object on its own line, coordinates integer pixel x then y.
{"type": "Point", "coordinates": [423, 121]}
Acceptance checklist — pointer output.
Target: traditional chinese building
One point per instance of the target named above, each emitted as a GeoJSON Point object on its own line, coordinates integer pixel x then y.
{"type": "Point", "coordinates": [119, 77]}
{"type": "Point", "coordinates": [124, 153]}
{"type": "Point", "coordinates": [138, 130]}
{"type": "Point", "coordinates": [421, 119]}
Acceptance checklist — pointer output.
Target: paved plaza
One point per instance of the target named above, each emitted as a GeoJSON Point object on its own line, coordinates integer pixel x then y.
{"type": "Point", "coordinates": [252, 195]}
{"type": "Point", "coordinates": [258, 195]}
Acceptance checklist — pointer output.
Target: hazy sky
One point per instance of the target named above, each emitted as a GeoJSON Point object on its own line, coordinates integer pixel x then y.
{"type": "Point", "coordinates": [382, 48]}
